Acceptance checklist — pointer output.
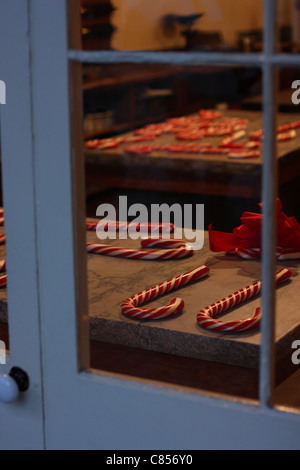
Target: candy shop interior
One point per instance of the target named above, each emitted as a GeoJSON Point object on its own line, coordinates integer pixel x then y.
{"type": "Point", "coordinates": [163, 139]}
{"type": "Point", "coordinates": [182, 169]}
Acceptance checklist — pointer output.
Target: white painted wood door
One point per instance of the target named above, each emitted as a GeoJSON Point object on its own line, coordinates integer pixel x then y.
{"type": "Point", "coordinates": [69, 406]}
{"type": "Point", "coordinates": [22, 423]}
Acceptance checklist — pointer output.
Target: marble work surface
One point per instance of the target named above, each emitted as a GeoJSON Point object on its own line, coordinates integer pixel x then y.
{"type": "Point", "coordinates": [182, 335]}
{"type": "Point", "coordinates": [111, 280]}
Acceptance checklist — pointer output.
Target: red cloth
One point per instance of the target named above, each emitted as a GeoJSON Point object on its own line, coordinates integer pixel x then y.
{"type": "Point", "coordinates": [248, 235]}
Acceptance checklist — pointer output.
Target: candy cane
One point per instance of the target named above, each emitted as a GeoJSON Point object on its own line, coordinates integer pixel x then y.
{"type": "Point", "coordinates": [123, 226]}
{"type": "Point", "coordinates": [204, 317]}
{"type": "Point", "coordinates": [243, 153]}
{"type": "Point", "coordinates": [179, 249]}
{"type": "Point", "coordinates": [209, 114]}
{"type": "Point", "coordinates": [228, 141]}
{"type": "Point", "coordinates": [247, 253]}
{"type": "Point", "coordinates": [289, 126]}
{"type": "Point", "coordinates": [3, 279]}
{"type": "Point", "coordinates": [255, 253]}
{"type": "Point", "coordinates": [284, 136]}
{"type": "Point", "coordinates": [130, 306]}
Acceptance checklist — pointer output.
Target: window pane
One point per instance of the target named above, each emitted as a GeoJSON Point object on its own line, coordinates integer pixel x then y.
{"type": "Point", "coordinates": [190, 25]}
{"type": "Point", "coordinates": [161, 143]}
{"type": "Point", "coordinates": [288, 17]}
{"type": "Point", "coordinates": [287, 331]}
{"type": "Point", "coordinates": [164, 108]}
{"type": "Point", "coordinates": [4, 340]}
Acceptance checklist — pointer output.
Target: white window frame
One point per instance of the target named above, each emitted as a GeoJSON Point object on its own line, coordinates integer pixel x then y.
{"type": "Point", "coordinates": [64, 266]}
{"type": "Point", "coordinates": [269, 61]}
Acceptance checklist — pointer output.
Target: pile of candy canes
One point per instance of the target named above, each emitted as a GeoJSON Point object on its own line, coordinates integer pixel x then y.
{"type": "Point", "coordinates": [191, 130]}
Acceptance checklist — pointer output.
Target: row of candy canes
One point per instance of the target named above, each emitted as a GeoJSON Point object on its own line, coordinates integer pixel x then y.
{"type": "Point", "coordinates": [205, 318]}
{"type": "Point", "coordinates": [175, 249]}
{"type": "Point", "coordinates": [194, 128]}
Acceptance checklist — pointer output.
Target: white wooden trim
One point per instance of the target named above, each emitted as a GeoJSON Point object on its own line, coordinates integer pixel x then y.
{"type": "Point", "coordinates": [269, 210]}
{"type": "Point", "coordinates": [22, 422]}
{"type": "Point", "coordinates": [182, 58]}
{"type": "Point", "coordinates": [85, 410]}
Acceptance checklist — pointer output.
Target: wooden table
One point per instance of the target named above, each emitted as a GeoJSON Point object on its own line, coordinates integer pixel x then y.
{"type": "Point", "coordinates": [188, 173]}
{"type": "Point", "coordinates": [177, 350]}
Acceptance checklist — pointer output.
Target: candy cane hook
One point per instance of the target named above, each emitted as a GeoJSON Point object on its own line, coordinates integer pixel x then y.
{"type": "Point", "coordinates": [205, 316]}
{"type": "Point", "coordinates": [130, 306]}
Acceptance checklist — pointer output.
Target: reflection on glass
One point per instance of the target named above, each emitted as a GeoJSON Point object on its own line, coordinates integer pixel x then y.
{"type": "Point", "coordinates": [177, 138]}
{"type": "Point", "coordinates": [185, 26]}
{"type": "Point", "coordinates": [287, 318]}
{"type": "Point", "coordinates": [294, 22]}
{"type": "Point", "coordinates": [172, 25]}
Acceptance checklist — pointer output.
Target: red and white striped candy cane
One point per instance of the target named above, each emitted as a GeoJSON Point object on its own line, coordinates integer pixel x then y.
{"type": "Point", "coordinates": [130, 306]}
{"type": "Point", "coordinates": [287, 253]}
{"type": "Point", "coordinates": [289, 126]}
{"type": "Point", "coordinates": [217, 131]}
{"type": "Point", "coordinates": [243, 153]}
{"type": "Point", "coordinates": [252, 144]}
{"type": "Point", "coordinates": [3, 279]}
{"type": "Point", "coordinates": [205, 316]}
{"type": "Point", "coordinates": [176, 249]}
{"type": "Point", "coordinates": [123, 226]}
{"type": "Point", "coordinates": [256, 135]}
{"type": "Point", "coordinates": [209, 114]}
{"type": "Point", "coordinates": [255, 253]}
{"type": "Point", "coordinates": [1, 218]}
{"type": "Point", "coordinates": [233, 138]}
{"type": "Point", "coordinates": [247, 253]}
{"type": "Point", "coordinates": [112, 142]}
{"type": "Point", "coordinates": [284, 136]}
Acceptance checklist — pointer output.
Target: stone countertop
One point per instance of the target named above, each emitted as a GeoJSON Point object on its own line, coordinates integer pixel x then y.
{"type": "Point", "coordinates": [112, 280]}
{"type": "Point", "coordinates": [181, 335]}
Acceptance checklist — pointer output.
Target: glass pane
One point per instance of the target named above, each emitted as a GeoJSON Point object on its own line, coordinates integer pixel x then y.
{"type": "Point", "coordinates": [161, 143]}
{"type": "Point", "coordinates": [288, 17]}
{"type": "Point", "coordinates": [172, 25]}
{"type": "Point", "coordinates": [287, 332]}
{"type": "Point", "coordinates": [4, 340]}
{"type": "Point", "coordinates": [183, 139]}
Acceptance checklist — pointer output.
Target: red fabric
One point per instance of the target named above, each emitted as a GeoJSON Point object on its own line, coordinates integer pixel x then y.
{"type": "Point", "coordinates": [248, 235]}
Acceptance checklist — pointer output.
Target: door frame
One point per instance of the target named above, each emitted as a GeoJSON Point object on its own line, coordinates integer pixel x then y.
{"type": "Point", "coordinates": [82, 408]}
